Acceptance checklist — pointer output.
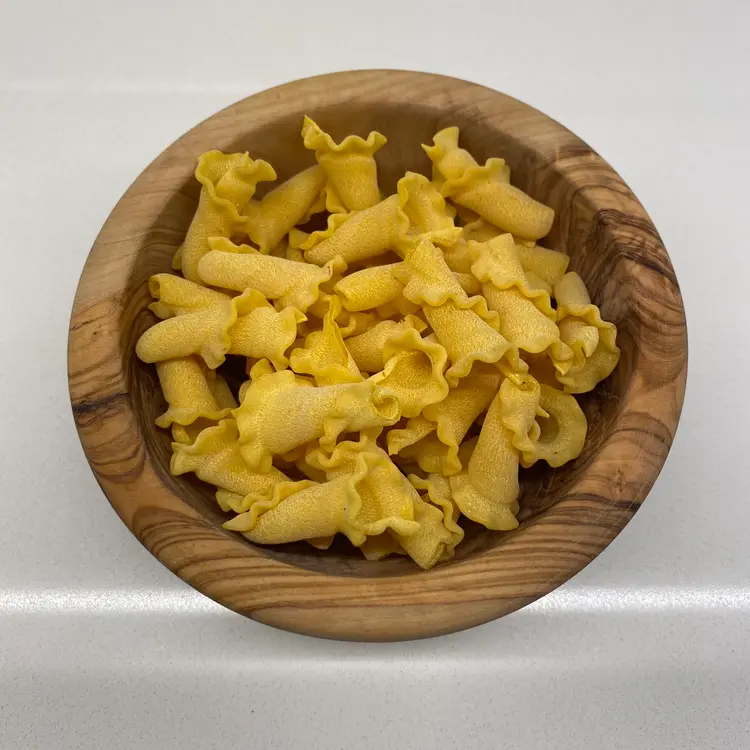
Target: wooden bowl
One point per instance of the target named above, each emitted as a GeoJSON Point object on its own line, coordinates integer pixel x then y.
{"type": "Point", "coordinates": [568, 515]}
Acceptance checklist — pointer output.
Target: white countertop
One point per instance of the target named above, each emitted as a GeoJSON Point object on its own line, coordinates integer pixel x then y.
{"type": "Point", "coordinates": [102, 647]}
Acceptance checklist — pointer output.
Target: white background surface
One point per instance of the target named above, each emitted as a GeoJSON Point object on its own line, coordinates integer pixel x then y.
{"type": "Point", "coordinates": [101, 647]}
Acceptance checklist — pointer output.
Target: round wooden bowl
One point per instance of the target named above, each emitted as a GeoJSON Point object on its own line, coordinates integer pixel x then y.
{"type": "Point", "coordinates": [568, 515]}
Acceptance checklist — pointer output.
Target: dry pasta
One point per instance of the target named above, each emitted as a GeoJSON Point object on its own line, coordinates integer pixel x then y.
{"type": "Point", "coordinates": [403, 363]}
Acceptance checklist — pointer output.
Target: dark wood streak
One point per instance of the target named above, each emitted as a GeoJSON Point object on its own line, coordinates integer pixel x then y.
{"type": "Point", "coordinates": [567, 515]}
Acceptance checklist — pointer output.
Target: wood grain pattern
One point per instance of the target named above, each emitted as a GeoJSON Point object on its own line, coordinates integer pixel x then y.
{"type": "Point", "coordinates": [569, 515]}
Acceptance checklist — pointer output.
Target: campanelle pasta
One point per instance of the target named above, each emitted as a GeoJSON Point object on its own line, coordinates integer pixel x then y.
{"type": "Point", "coordinates": [406, 355]}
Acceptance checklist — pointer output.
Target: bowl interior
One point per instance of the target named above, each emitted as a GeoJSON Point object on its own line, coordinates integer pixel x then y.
{"type": "Point", "coordinates": [594, 254]}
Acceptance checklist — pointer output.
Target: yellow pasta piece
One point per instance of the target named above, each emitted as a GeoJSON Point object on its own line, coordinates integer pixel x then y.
{"type": "Point", "coordinates": [269, 220]}
{"type": "Point", "coordinates": [449, 162]}
{"type": "Point", "coordinates": [186, 434]}
{"type": "Point", "coordinates": [187, 392]}
{"type": "Point", "coordinates": [413, 371]}
{"type": "Point", "coordinates": [424, 205]}
{"type": "Point", "coordinates": [350, 165]}
{"type": "Point", "coordinates": [369, 288]}
{"type": "Point", "coordinates": [387, 498]}
{"type": "Point", "coordinates": [573, 308]}
{"type": "Point", "coordinates": [264, 420]}
{"type": "Point", "coordinates": [325, 356]}
{"type": "Point", "coordinates": [177, 296]}
{"type": "Point", "coordinates": [432, 541]}
{"type": "Point", "coordinates": [487, 490]}
{"type": "Point", "coordinates": [228, 182]}
{"type": "Point", "coordinates": [367, 348]}
{"type": "Point", "coordinates": [462, 324]}
{"type": "Point", "coordinates": [302, 510]}
{"type": "Point", "coordinates": [215, 457]}
{"type": "Point", "coordinates": [548, 265]}
{"type": "Point", "coordinates": [486, 189]}
{"type": "Point", "coordinates": [240, 267]}
{"type": "Point", "coordinates": [563, 432]}
{"type": "Point", "coordinates": [438, 493]}
{"type": "Point", "coordinates": [205, 332]}
{"type": "Point", "coordinates": [264, 332]}
{"type": "Point", "coordinates": [424, 213]}
{"type": "Point", "coordinates": [355, 237]}
{"type": "Point", "coordinates": [526, 316]}
{"type": "Point", "coordinates": [521, 405]}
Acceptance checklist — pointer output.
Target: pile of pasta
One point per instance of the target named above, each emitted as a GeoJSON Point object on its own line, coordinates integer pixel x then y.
{"type": "Point", "coordinates": [403, 362]}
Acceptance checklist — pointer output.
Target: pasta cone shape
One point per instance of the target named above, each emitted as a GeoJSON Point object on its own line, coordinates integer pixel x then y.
{"type": "Point", "coordinates": [270, 219]}
{"type": "Point", "coordinates": [215, 458]}
{"type": "Point", "coordinates": [240, 267]}
{"type": "Point", "coordinates": [356, 237]}
{"type": "Point", "coordinates": [325, 356]}
{"type": "Point", "coordinates": [448, 160]}
{"type": "Point", "coordinates": [432, 541]}
{"type": "Point", "coordinates": [302, 510]}
{"type": "Point", "coordinates": [520, 408]}
{"type": "Point", "coordinates": [468, 339]}
{"type": "Point", "coordinates": [228, 182]}
{"type": "Point", "coordinates": [280, 412]}
{"type": "Point", "coordinates": [413, 371]}
{"type": "Point", "coordinates": [264, 332]}
{"type": "Point", "coordinates": [187, 392]}
{"type": "Point", "coordinates": [187, 434]}
{"type": "Point", "coordinates": [423, 205]}
{"type": "Point", "coordinates": [369, 288]}
{"type": "Point", "coordinates": [367, 348]}
{"type": "Point", "coordinates": [177, 296]}
{"type": "Point", "coordinates": [486, 189]}
{"type": "Point", "coordinates": [350, 165]}
{"type": "Point", "coordinates": [573, 308]}
{"type": "Point", "coordinates": [563, 433]}
{"type": "Point", "coordinates": [422, 214]}
{"type": "Point", "coordinates": [205, 332]}
{"type": "Point", "coordinates": [487, 491]}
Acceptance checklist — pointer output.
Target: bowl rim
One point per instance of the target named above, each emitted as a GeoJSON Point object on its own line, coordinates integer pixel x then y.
{"type": "Point", "coordinates": [247, 579]}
